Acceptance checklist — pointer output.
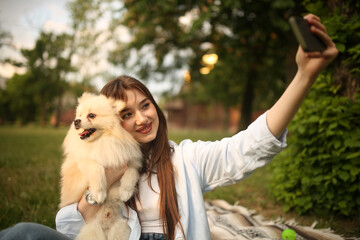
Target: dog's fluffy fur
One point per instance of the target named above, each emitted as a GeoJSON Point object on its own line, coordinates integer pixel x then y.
{"type": "Point", "coordinates": [95, 141]}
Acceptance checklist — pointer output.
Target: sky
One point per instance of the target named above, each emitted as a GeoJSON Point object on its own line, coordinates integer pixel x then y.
{"type": "Point", "coordinates": [24, 19]}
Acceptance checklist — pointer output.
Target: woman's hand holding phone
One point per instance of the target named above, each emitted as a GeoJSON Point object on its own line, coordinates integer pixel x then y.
{"type": "Point", "coordinates": [310, 64]}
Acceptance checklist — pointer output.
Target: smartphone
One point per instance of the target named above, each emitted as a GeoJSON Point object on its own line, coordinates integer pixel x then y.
{"type": "Point", "coordinates": [308, 41]}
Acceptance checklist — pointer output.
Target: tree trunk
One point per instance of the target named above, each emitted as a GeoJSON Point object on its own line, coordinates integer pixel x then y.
{"type": "Point", "coordinates": [226, 121]}
{"type": "Point", "coordinates": [246, 108]}
{"type": "Point", "coordinates": [43, 114]}
{"type": "Point", "coordinates": [58, 111]}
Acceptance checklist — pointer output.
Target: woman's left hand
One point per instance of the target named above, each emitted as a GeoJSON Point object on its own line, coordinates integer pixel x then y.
{"type": "Point", "coordinates": [310, 64]}
{"type": "Point", "coordinates": [114, 174]}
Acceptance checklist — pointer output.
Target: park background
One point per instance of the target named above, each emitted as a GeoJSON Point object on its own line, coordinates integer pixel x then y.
{"type": "Point", "coordinates": [214, 66]}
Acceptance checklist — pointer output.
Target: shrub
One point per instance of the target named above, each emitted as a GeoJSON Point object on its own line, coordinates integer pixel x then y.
{"type": "Point", "coordinates": [320, 169]}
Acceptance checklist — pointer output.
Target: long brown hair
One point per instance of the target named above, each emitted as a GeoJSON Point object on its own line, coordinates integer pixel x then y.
{"type": "Point", "coordinates": [159, 159]}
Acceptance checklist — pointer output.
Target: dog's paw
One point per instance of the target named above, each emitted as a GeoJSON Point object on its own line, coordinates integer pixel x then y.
{"type": "Point", "coordinates": [126, 193]}
{"type": "Point", "coordinates": [99, 196]}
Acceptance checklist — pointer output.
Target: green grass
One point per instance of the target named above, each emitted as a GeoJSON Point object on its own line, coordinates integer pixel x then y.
{"type": "Point", "coordinates": [30, 160]}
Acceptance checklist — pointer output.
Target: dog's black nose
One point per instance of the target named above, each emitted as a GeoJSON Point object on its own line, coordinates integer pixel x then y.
{"type": "Point", "coordinates": [77, 123]}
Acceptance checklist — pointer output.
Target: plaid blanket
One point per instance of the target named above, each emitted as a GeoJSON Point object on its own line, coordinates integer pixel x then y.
{"type": "Point", "coordinates": [234, 222]}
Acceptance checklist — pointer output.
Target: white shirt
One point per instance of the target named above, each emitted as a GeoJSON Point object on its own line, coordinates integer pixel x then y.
{"type": "Point", "coordinates": [148, 207]}
{"type": "Point", "coordinates": [200, 167]}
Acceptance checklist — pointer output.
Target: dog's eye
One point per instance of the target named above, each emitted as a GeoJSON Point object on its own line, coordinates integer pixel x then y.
{"type": "Point", "coordinates": [91, 115]}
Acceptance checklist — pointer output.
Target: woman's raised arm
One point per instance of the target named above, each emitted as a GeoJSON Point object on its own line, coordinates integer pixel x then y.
{"type": "Point", "coordinates": [309, 66]}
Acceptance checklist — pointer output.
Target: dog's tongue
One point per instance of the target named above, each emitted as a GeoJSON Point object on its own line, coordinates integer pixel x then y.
{"type": "Point", "coordinates": [84, 132]}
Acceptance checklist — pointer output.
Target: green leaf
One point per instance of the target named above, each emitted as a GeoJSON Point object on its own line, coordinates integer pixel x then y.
{"type": "Point", "coordinates": [314, 118]}
{"type": "Point", "coordinates": [353, 155]}
{"type": "Point", "coordinates": [330, 195]}
{"type": "Point", "coordinates": [341, 47]}
{"type": "Point", "coordinates": [344, 175]}
{"type": "Point", "coordinates": [347, 166]}
{"type": "Point", "coordinates": [334, 181]}
{"type": "Point", "coordinates": [342, 204]}
{"type": "Point", "coordinates": [354, 171]}
{"type": "Point", "coordinates": [333, 125]}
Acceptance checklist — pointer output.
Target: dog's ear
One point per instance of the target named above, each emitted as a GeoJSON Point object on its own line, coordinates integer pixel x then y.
{"type": "Point", "coordinates": [85, 95]}
{"type": "Point", "coordinates": [118, 105]}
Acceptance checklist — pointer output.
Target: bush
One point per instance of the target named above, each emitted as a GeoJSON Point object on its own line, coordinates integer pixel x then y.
{"type": "Point", "coordinates": [320, 169]}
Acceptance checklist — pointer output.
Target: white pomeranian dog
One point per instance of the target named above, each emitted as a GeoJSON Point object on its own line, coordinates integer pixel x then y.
{"type": "Point", "coordinates": [95, 141]}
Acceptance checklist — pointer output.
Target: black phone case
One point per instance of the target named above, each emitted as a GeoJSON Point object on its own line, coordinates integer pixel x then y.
{"type": "Point", "coordinates": [308, 41]}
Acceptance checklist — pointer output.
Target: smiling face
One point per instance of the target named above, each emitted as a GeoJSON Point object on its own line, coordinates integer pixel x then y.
{"type": "Point", "coordinates": [139, 117]}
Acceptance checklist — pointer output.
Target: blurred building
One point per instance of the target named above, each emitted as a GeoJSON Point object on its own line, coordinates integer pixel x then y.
{"type": "Point", "coordinates": [66, 114]}
{"type": "Point", "coordinates": [182, 114]}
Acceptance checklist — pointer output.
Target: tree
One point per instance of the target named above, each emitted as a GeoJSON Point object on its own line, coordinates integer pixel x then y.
{"type": "Point", "coordinates": [5, 38]}
{"type": "Point", "coordinates": [89, 38]}
{"type": "Point", "coordinates": [34, 92]}
{"type": "Point", "coordinates": [47, 64]}
{"type": "Point", "coordinates": [251, 39]}
{"type": "Point", "coordinates": [18, 100]}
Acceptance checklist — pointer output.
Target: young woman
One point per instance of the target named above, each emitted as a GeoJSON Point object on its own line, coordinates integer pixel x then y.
{"type": "Point", "coordinates": [169, 203]}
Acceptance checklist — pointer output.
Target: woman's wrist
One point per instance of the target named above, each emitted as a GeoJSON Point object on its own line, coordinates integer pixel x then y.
{"type": "Point", "coordinates": [304, 80]}
{"type": "Point", "coordinates": [88, 211]}
{"type": "Point", "coordinates": [113, 175]}
{"type": "Point", "coordinates": [111, 178]}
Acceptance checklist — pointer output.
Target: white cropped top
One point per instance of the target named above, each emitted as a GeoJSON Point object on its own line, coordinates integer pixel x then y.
{"type": "Point", "coordinates": [148, 207]}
